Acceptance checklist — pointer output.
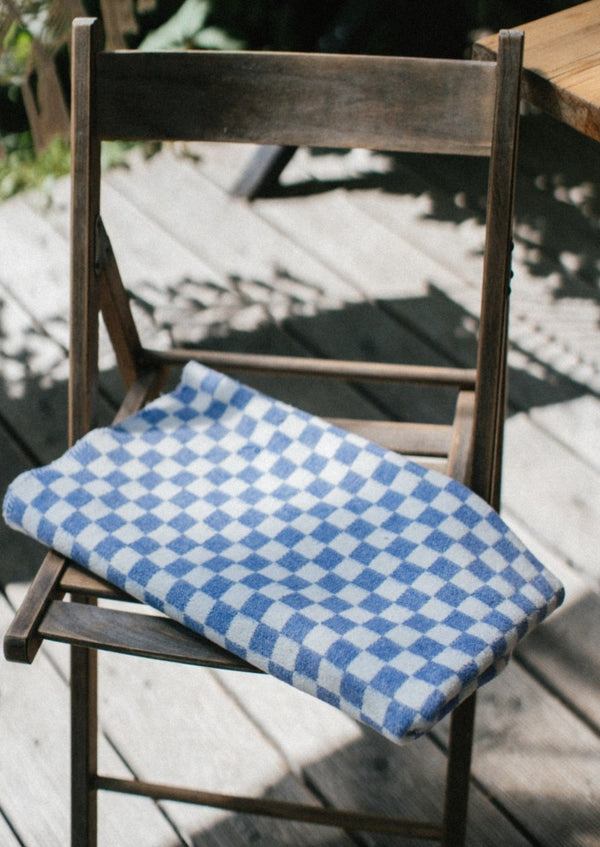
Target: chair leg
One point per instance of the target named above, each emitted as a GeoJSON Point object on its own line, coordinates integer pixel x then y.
{"type": "Point", "coordinates": [263, 171]}
{"type": "Point", "coordinates": [458, 774]}
{"type": "Point", "coordinates": [84, 745]}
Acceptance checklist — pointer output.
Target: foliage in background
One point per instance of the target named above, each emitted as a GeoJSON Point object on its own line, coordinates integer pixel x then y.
{"type": "Point", "coordinates": [34, 36]}
{"type": "Point", "coordinates": [22, 168]}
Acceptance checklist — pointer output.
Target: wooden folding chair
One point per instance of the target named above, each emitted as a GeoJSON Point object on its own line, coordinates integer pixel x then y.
{"type": "Point", "coordinates": [394, 104]}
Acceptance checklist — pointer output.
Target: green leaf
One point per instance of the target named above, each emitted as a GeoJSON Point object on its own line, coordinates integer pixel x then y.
{"type": "Point", "coordinates": [22, 169]}
{"type": "Point", "coordinates": [22, 47]}
{"type": "Point", "coordinates": [180, 30]}
{"type": "Point", "coordinates": [214, 38]}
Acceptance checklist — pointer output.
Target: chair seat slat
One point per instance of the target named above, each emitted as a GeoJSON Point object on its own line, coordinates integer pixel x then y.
{"type": "Point", "coordinates": [136, 634]}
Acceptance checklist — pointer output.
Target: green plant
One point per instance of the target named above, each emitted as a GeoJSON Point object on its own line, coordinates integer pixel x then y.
{"type": "Point", "coordinates": [23, 168]}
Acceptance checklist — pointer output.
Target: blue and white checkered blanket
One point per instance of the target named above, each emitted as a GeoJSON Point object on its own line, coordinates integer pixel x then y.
{"type": "Point", "coordinates": [386, 589]}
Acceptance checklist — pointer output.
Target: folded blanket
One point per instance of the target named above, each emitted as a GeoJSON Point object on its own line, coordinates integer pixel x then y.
{"type": "Point", "coordinates": [383, 588]}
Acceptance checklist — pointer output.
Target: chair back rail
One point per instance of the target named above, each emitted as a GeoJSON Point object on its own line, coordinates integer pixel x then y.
{"type": "Point", "coordinates": [311, 100]}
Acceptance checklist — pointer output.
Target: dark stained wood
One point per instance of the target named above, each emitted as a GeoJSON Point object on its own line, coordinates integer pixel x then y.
{"type": "Point", "coordinates": [459, 453]}
{"type": "Point", "coordinates": [77, 581]}
{"type": "Point", "coordinates": [310, 100]}
{"type": "Point", "coordinates": [146, 386]}
{"type": "Point", "coordinates": [275, 808]}
{"type": "Point", "coordinates": [83, 403]}
{"type": "Point", "coordinates": [22, 639]}
{"type": "Point", "coordinates": [115, 308]}
{"type": "Point", "coordinates": [457, 774]}
{"type": "Point", "coordinates": [85, 210]}
{"type": "Point", "coordinates": [336, 368]}
{"type": "Point", "coordinates": [84, 742]}
{"type": "Point", "coordinates": [137, 634]}
{"type": "Point", "coordinates": [491, 353]}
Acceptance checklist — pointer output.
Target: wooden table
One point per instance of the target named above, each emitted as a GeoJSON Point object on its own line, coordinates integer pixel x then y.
{"type": "Point", "coordinates": [561, 67]}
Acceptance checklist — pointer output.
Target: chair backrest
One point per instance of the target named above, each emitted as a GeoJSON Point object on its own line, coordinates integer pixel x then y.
{"type": "Point", "coordinates": [395, 104]}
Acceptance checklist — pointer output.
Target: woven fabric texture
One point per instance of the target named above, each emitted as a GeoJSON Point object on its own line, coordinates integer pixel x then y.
{"type": "Point", "coordinates": [383, 588]}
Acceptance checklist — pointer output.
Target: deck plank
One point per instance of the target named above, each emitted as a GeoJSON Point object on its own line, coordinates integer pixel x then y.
{"type": "Point", "coordinates": [34, 776]}
{"type": "Point", "coordinates": [540, 762]}
{"type": "Point", "coordinates": [240, 243]}
{"type": "Point", "coordinates": [200, 737]}
{"type": "Point", "coordinates": [357, 767]}
{"type": "Point", "coordinates": [35, 265]}
{"type": "Point", "coordinates": [563, 652]}
{"type": "Point", "coordinates": [568, 520]}
{"type": "Point", "coordinates": [7, 834]}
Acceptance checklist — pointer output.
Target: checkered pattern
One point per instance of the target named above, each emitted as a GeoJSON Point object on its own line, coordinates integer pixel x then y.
{"type": "Point", "coordinates": [381, 587]}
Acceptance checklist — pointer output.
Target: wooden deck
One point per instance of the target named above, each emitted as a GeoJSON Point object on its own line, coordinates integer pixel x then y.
{"type": "Point", "coordinates": [271, 276]}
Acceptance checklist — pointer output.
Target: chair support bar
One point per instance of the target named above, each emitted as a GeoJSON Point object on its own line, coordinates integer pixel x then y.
{"type": "Point", "coordinates": [274, 808]}
{"type": "Point", "coordinates": [120, 631]}
{"type": "Point", "coordinates": [299, 366]}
